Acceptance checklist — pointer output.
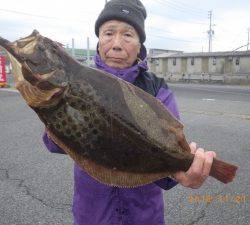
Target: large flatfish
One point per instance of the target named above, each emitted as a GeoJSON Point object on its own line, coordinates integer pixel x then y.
{"type": "Point", "coordinates": [116, 132]}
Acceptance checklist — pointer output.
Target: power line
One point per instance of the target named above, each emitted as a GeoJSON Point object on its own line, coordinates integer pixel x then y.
{"type": "Point", "coordinates": [184, 7]}
{"type": "Point", "coordinates": [57, 18]}
{"type": "Point", "coordinates": [180, 8]}
{"type": "Point", "coordinates": [40, 16]}
{"type": "Point", "coordinates": [175, 18]}
{"type": "Point", "coordinates": [189, 7]}
{"type": "Point", "coordinates": [176, 7]}
{"type": "Point", "coordinates": [240, 47]}
{"type": "Point", "coordinates": [173, 39]}
{"type": "Point", "coordinates": [159, 29]}
{"type": "Point", "coordinates": [27, 14]}
{"type": "Point", "coordinates": [178, 19]}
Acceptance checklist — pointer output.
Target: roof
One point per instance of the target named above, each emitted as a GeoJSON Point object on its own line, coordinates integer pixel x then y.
{"type": "Point", "coordinates": [203, 54]}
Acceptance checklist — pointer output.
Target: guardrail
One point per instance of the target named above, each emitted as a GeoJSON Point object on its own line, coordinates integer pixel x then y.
{"type": "Point", "coordinates": [203, 78]}
{"type": "Point", "coordinates": [210, 78]}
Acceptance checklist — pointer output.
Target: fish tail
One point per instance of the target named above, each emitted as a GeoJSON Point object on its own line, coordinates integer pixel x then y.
{"type": "Point", "coordinates": [223, 171]}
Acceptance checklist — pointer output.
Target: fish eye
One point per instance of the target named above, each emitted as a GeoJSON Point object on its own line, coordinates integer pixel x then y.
{"type": "Point", "coordinates": [41, 47]}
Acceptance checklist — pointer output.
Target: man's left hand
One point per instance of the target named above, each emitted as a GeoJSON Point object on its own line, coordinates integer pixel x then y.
{"type": "Point", "coordinates": [199, 170]}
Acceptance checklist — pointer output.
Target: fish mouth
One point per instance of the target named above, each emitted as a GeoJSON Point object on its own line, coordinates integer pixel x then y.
{"type": "Point", "coordinates": [37, 92]}
{"type": "Point", "coordinates": [8, 46]}
{"type": "Point", "coordinates": [41, 95]}
{"type": "Point", "coordinates": [13, 52]}
{"type": "Point", "coordinates": [12, 47]}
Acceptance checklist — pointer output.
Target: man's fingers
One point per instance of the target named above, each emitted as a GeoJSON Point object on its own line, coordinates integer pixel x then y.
{"type": "Point", "coordinates": [196, 168]}
{"type": "Point", "coordinates": [208, 163]}
{"type": "Point", "coordinates": [199, 169]}
{"type": "Point", "coordinates": [193, 147]}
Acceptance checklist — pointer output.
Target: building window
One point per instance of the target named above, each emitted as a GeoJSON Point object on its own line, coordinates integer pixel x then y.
{"type": "Point", "coordinates": [174, 61]}
{"type": "Point", "coordinates": [237, 61]}
{"type": "Point", "coordinates": [192, 61]}
{"type": "Point", "coordinates": [214, 61]}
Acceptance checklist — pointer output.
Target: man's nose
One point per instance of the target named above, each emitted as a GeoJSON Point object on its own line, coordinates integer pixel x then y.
{"type": "Point", "coordinates": [117, 43]}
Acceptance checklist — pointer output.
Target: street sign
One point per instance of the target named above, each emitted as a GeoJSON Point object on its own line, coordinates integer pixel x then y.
{"type": "Point", "coordinates": [2, 72]}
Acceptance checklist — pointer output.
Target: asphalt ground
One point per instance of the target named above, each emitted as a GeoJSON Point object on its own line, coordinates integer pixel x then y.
{"type": "Point", "coordinates": [36, 186]}
{"type": "Point", "coordinates": [217, 118]}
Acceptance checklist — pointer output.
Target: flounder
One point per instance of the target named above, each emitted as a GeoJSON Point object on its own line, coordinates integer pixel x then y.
{"type": "Point", "coordinates": [119, 134]}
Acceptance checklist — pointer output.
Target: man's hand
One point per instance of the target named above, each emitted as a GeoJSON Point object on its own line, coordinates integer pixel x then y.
{"type": "Point", "coordinates": [199, 170]}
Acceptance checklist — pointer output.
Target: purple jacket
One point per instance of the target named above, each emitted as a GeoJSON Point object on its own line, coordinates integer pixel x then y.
{"type": "Point", "coordinates": [98, 204]}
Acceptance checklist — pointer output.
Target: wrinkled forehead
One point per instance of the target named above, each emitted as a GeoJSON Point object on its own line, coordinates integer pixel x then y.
{"type": "Point", "coordinates": [117, 24]}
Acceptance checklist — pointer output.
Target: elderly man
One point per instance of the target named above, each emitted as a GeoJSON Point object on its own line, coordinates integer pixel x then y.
{"type": "Point", "coordinates": [120, 28]}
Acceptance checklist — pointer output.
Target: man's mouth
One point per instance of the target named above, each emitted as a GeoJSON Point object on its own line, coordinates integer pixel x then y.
{"type": "Point", "coordinates": [115, 59]}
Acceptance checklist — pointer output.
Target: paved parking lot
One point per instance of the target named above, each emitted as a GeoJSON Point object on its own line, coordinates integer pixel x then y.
{"type": "Point", "coordinates": [36, 186]}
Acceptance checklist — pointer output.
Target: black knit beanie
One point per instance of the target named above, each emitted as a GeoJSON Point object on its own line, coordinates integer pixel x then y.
{"type": "Point", "coordinates": [130, 11]}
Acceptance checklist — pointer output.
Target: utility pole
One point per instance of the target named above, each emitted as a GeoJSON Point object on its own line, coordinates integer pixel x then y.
{"type": "Point", "coordinates": [73, 47]}
{"type": "Point", "coordinates": [248, 36]}
{"type": "Point", "coordinates": [106, 2]}
{"type": "Point", "coordinates": [88, 55]}
{"type": "Point", "coordinates": [210, 32]}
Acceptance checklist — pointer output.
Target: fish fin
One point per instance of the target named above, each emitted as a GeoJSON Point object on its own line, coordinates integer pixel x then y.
{"type": "Point", "coordinates": [111, 177]}
{"type": "Point", "coordinates": [38, 80]}
{"type": "Point", "coordinates": [36, 97]}
{"type": "Point", "coordinates": [178, 131]}
{"type": "Point", "coordinates": [118, 178]}
{"type": "Point", "coordinates": [28, 75]}
{"type": "Point", "coordinates": [223, 171]}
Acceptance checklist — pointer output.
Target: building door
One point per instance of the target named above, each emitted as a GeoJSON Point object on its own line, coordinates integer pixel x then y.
{"type": "Point", "coordinates": [183, 65]}
{"type": "Point", "coordinates": [228, 65]}
{"type": "Point", "coordinates": [204, 65]}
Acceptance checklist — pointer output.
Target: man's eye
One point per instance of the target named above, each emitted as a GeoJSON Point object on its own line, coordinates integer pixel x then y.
{"type": "Point", "coordinates": [128, 34]}
{"type": "Point", "coordinates": [108, 33]}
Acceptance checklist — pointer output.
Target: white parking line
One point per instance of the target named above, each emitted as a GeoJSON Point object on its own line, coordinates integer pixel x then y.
{"type": "Point", "coordinates": [208, 99]}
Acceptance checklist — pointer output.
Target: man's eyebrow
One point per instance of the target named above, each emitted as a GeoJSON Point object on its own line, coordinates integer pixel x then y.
{"type": "Point", "coordinates": [129, 27]}
{"type": "Point", "coordinates": [111, 27]}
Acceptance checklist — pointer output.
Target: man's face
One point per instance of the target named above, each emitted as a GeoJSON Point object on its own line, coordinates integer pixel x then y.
{"type": "Point", "coordinates": [119, 44]}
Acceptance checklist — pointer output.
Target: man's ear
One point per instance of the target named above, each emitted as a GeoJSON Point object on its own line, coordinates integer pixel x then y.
{"type": "Point", "coordinates": [139, 48]}
{"type": "Point", "coordinates": [97, 47]}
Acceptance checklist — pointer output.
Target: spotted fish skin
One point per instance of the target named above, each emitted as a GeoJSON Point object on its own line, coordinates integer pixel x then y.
{"type": "Point", "coordinates": [116, 132]}
{"type": "Point", "coordinates": [78, 119]}
{"type": "Point", "coordinates": [101, 135]}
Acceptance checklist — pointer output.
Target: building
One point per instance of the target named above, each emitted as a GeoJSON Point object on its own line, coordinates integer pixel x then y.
{"type": "Point", "coordinates": [227, 67]}
{"type": "Point", "coordinates": [82, 55]}
{"type": "Point", "coordinates": [156, 51]}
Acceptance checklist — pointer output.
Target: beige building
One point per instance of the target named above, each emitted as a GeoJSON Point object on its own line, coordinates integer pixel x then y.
{"type": "Point", "coordinates": [228, 67]}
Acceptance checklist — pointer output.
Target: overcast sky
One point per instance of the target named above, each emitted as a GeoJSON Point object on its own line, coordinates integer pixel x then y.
{"type": "Point", "coordinates": [171, 24]}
